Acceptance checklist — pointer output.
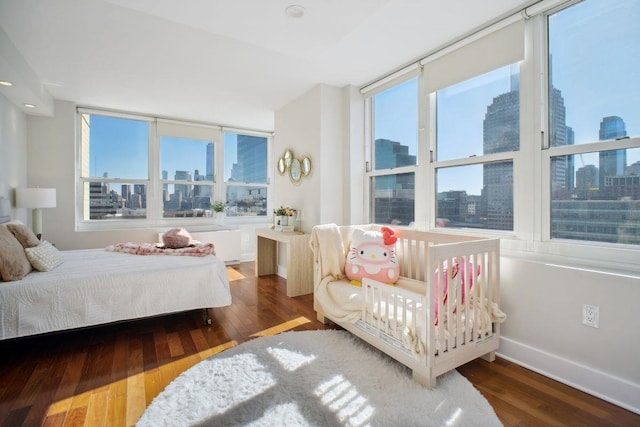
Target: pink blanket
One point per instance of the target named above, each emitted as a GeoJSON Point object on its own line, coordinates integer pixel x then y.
{"type": "Point", "coordinates": [201, 249]}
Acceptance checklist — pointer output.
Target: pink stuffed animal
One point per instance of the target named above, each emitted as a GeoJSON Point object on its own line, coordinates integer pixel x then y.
{"type": "Point", "coordinates": [372, 254]}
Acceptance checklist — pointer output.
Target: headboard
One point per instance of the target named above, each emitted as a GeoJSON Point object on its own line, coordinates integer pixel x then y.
{"type": "Point", "coordinates": [5, 210]}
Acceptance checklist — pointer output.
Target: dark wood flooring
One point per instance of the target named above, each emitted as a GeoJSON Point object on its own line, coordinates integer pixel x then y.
{"type": "Point", "coordinates": [108, 375]}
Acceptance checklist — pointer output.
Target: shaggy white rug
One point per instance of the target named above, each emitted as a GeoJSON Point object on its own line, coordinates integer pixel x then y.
{"type": "Point", "coordinates": [316, 378]}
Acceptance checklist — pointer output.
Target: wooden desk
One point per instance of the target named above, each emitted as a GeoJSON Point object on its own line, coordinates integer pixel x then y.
{"type": "Point", "coordinates": [299, 259]}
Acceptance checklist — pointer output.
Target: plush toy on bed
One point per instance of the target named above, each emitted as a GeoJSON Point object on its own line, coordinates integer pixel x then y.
{"type": "Point", "coordinates": [372, 254]}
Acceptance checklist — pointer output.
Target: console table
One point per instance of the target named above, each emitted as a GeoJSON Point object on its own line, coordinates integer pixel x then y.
{"type": "Point", "coordinates": [299, 259]}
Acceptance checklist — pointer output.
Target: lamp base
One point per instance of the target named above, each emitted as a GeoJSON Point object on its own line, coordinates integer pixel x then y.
{"type": "Point", "coordinates": [36, 222]}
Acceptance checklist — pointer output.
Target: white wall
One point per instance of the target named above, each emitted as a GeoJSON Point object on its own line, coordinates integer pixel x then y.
{"type": "Point", "coordinates": [544, 331]}
{"type": "Point", "coordinates": [313, 125]}
{"type": "Point", "coordinates": [13, 154]}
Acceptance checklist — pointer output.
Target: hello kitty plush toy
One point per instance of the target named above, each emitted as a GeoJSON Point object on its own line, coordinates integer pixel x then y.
{"type": "Point", "coordinates": [372, 254]}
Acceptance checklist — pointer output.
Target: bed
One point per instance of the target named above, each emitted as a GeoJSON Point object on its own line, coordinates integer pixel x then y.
{"type": "Point", "coordinates": [442, 312]}
{"type": "Point", "coordinates": [95, 286]}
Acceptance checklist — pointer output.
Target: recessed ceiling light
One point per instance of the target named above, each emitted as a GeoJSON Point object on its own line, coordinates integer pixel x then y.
{"type": "Point", "coordinates": [295, 11]}
{"type": "Point", "coordinates": [5, 83]}
{"type": "Point", "coordinates": [29, 105]}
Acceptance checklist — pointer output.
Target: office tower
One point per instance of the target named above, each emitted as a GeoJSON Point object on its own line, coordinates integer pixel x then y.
{"type": "Point", "coordinates": [614, 162]}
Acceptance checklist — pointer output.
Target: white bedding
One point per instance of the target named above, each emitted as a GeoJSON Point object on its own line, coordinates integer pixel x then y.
{"type": "Point", "coordinates": [93, 287]}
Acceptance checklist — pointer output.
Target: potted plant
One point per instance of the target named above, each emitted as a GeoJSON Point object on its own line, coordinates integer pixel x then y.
{"type": "Point", "coordinates": [282, 215]}
{"type": "Point", "coordinates": [219, 207]}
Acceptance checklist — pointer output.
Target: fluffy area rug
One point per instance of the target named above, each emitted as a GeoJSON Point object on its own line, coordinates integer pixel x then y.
{"type": "Point", "coordinates": [313, 378]}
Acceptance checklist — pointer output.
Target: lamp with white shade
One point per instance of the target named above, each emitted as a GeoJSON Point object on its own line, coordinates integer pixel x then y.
{"type": "Point", "coordinates": [36, 199]}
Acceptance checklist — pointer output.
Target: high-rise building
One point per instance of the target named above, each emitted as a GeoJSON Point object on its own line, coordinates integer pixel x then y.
{"type": "Point", "coordinates": [394, 194]}
{"type": "Point", "coordinates": [252, 160]}
{"type": "Point", "coordinates": [613, 162]}
{"type": "Point", "coordinates": [501, 132]}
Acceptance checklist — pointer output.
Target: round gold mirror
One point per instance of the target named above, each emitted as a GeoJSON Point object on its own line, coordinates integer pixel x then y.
{"type": "Point", "coordinates": [306, 166]}
{"type": "Point", "coordinates": [281, 166]}
{"type": "Point", "coordinates": [288, 157]}
{"type": "Point", "coordinates": [295, 170]}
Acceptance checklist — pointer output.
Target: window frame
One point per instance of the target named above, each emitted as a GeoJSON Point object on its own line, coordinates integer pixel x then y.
{"type": "Point", "coordinates": [158, 128]}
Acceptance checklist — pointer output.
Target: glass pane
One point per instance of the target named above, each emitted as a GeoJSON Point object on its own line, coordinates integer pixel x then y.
{"type": "Point", "coordinates": [596, 196]}
{"type": "Point", "coordinates": [186, 200]}
{"type": "Point", "coordinates": [476, 196]}
{"type": "Point", "coordinates": [245, 158]}
{"type": "Point", "coordinates": [395, 113]}
{"type": "Point", "coordinates": [593, 92]}
{"type": "Point", "coordinates": [184, 159]}
{"type": "Point", "coordinates": [114, 147]}
{"type": "Point", "coordinates": [393, 199]}
{"type": "Point", "coordinates": [108, 200]}
{"type": "Point", "coordinates": [246, 201]}
{"type": "Point", "coordinates": [480, 115]}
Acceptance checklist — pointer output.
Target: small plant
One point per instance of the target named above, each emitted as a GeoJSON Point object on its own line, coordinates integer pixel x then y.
{"type": "Point", "coordinates": [282, 211]}
{"type": "Point", "coordinates": [219, 206]}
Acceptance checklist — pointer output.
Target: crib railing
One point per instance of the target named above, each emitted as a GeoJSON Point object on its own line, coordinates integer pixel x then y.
{"type": "Point", "coordinates": [453, 306]}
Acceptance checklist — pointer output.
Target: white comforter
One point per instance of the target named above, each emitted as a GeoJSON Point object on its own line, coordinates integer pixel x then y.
{"type": "Point", "coordinates": [94, 286]}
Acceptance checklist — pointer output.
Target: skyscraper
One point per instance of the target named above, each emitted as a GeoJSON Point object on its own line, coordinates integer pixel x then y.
{"type": "Point", "coordinates": [252, 160]}
{"type": "Point", "coordinates": [614, 162]}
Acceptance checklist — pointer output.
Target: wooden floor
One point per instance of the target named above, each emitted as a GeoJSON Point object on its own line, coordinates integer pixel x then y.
{"type": "Point", "coordinates": [108, 375]}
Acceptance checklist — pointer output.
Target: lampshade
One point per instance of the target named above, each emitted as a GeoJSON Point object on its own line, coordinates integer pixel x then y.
{"type": "Point", "coordinates": [36, 197]}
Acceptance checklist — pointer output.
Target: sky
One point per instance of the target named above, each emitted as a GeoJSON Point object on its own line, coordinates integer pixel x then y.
{"type": "Point", "coordinates": [119, 147]}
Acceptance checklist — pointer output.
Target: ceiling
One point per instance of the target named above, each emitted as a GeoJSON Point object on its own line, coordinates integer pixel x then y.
{"type": "Point", "coordinates": [228, 62]}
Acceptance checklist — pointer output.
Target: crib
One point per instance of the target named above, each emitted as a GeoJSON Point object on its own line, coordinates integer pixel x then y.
{"type": "Point", "coordinates": [443, 311]}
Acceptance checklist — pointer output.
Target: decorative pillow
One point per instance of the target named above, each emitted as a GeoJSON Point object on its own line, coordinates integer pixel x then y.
{"type": "Point", "coordinates": [44, 257]}
{"type": "Point", "coordinates": [372, 254]}
{"type": "Point", "coordinates": [24, 235]}
{"type": "Point", "coordinates": [177, 238]}
{"type": "Point", "coordinates": [14, 264]}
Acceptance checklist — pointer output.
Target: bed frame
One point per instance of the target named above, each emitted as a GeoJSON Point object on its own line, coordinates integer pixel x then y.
{"type": "Point", "coordinates": [391, 316]}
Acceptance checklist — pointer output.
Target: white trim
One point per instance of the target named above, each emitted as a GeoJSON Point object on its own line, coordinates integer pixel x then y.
{"type": "Point", "coordinates": [616, 390]}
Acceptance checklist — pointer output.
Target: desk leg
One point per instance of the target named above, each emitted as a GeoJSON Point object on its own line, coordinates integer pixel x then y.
{"type": "Point", "coordinates": [266, 256]}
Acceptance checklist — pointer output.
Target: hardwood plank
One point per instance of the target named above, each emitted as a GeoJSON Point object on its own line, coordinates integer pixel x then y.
{"type": "Point", "coordinates": [108, 375]}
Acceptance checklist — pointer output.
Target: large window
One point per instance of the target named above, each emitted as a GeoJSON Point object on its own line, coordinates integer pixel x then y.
{"type": "Point", "coordinates": [245, 174]}
{"type": "Point", "coordinates": [594, 125]}
{"type": "Point", "coordinates": [114, 167]}
{"type": "Point", "coordinates": [135, 169]}
{"type": "Point", "coordinates": [394, 154]}
{"type": "Point", "coordinates": [478, 131]}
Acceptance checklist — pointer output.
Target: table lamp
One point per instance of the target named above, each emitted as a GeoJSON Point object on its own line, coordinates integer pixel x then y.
{"type": "Point", "coordinates": [36, 199]}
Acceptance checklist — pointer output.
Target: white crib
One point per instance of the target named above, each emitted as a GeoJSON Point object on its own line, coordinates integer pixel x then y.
{"type": "Point", "coordinates": [401, 320]}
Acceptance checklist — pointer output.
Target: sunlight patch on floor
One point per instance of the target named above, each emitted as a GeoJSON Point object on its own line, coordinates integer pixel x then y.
{"type": "Point", "coordinates": [234, 274]}
{"type": "Point", "coordinates": [282, 327]}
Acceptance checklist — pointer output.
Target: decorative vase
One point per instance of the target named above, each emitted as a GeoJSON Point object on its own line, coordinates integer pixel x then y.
{"type": "Point", "coordinates": [218, 217]}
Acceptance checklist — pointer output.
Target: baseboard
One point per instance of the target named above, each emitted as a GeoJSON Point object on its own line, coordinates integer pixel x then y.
{"type": "Point", "coordinates": [615, 390]}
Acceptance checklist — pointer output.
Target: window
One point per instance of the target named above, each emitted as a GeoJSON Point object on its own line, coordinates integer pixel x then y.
{"type": "Point", "coordinates": [594, 127]}
{"type": "Point", "coordinates": [245, 174]}
{"type": "Point", "coordinates": [114, 173]}
{"type": "Point", "coordinates": [187, 177]}
{"type": "Point", "coordinates": [141, 171]}
{"type": "Point", "coordinates": [478, 131]}
{"type": "Point", "coordinates": [394, 154]}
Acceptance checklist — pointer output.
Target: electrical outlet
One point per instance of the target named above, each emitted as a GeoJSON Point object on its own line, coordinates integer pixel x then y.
{"type": "Point", "coordinates": [590, 315]}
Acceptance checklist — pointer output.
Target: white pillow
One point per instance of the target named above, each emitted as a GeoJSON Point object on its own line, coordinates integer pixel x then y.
{"type": "Point", "coordinates": [44, 257]}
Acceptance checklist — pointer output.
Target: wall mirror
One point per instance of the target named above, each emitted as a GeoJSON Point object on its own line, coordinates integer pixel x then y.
{"type": "Point", "coordinates": [288, 157]}
{"type": "Point", "coordinates": [295, 170]}
{"type": "Point", "coordinates": [281, 166]}
{"type": "Point", "coordinates": [306, 166]}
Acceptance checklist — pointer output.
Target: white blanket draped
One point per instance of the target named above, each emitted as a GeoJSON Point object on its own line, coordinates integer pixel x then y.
{"type": "Point", "coordinates": [329, 249]}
